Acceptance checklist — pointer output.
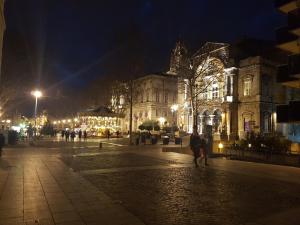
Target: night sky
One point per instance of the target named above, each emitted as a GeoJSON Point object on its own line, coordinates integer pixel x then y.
{"type": "Point", "coordinates": [63, 45]}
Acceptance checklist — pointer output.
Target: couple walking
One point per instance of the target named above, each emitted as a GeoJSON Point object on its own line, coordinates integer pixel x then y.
{"type": "Point", "coordinates": [198, 145]}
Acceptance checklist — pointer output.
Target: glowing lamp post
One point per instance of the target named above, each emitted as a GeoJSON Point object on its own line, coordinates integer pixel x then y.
{"type": "Point", "coordinates": [174, 109]}
{"type": "Point", "coordinates": [162, 120]}
{"type": "Point", "coordinates": [220, 147]}
{"type": "Point", "coordinates": [37, 94]}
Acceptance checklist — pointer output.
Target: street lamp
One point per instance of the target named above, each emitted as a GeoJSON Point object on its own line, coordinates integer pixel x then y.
{"type": "Point", "coordinates": [37, 94]}
{"type": "Point", "coordinates": [174, 108]}
{"type": "Point", "coordinates": [162, 120]}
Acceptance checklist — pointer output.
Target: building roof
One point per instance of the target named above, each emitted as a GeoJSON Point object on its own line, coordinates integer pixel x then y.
{"type": "Point", "coordinates": [100, 111]}
{"type": "Point", "coordinates": [251, 47]}
{"type": "Point", "coordinates": [161, 74]}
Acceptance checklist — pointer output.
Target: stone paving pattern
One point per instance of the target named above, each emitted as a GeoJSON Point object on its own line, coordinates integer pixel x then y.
{"type": "Point", "coordinates": [42, 190]}
{"type": "Point", "coordinates": [141, 185]}
{"type": "Point", "coordinates": [197, 196]}
{"type": "Point", "coordinates": [86, 162]}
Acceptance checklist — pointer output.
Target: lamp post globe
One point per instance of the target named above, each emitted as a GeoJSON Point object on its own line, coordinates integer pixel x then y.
{"type": "Point", "coordinates": [37, 94]}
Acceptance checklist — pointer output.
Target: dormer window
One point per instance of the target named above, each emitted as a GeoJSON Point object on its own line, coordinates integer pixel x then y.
{"type": "Point", "coordinates": [215, 90]}
{"type": "Point", "coordinates": [247, 87]}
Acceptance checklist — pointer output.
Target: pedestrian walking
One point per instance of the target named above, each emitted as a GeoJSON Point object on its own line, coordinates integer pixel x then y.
{"type": "Point", "coordinates": [80, 135]}
{"type": "Point", "coordinates": [85, 135]}
{"type": "Point", "coordinates": [195, 143]}
{"type": "Point", "coordinates": [203, 149]}
{"type": "Point", "coordinates": [73, 135]}
{"type": "Point", "coordinates": [2, 143]}
{"type": "Point", "coordinates": [108, 134]}
{"type": "Point", "coordinates": [63, 133]}
{"type": "Point", "coordinates": [67, 134]}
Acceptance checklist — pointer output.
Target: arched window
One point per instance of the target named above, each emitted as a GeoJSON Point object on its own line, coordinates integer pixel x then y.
{"type": "Point", "coordinates": [215, 90]}
{"type": "Point", "coordinates": [247, 86]}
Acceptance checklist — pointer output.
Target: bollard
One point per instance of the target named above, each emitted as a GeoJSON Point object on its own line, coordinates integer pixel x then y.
{"type": "Point", "coordinates": [100, 145]}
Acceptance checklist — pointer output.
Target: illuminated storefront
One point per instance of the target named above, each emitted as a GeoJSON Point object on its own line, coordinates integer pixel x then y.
{"type": "Point", "coordinates": [95, 121]}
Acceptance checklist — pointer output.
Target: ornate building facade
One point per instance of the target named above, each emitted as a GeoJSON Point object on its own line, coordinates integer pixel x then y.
{"type": "Point", "coordinates": [241, 100]}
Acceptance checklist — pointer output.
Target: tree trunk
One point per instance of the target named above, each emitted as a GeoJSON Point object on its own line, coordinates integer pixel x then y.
{"type": "Point", "coordinates": [195, 116]}
{"type": "Point", "coordinates": [130, 114]}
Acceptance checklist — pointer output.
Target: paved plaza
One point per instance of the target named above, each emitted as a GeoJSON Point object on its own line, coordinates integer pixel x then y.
{"type": "Point", "coordinates": [81, 184]}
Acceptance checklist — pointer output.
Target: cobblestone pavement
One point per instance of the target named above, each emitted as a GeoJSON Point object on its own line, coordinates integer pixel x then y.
{"type": "Point", "coordinates": [198, 196]}
{"type": "Point", "coordinates": [120, 185]}
{"type": "Point", "coordinates": [224, 193]}
{"type": "Point", "coordinates": [96, 161]}
{"type": "Point", "coordinates": [37, 188]}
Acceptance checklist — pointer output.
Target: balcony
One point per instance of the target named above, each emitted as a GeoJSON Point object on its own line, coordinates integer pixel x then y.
{"type": "Point", "coordinates": [287, 41]}
{"type": "Point", "coordinates": [294, 22]}
{"type": "Point", "coordinates": [287, 6]}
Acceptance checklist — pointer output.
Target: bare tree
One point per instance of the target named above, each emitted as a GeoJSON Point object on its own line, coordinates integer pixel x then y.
{"type": "Point", "coordinates": [198, 73]}
{"type": "Point", "coordinates": [7, 94]}
{"type": "Point", "coordinates": [124, 96]}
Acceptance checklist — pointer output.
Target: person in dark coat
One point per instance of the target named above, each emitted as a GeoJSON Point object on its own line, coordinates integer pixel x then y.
{"type": "Point", "coordinates": [2, 143]}
{"type": "Point", "coordinates": [85, 135]}
{"type": "Point", "coordinates": [108, 134]}
{"type": "Point", "coordinates": [73, 135]}
{"type": "Point", "coordinates": [203, 150]}
{"type": "Point", "coordinates": [80, 135]}
{"type": "Point", "coordinates": [195, 143]}
{"type": "Point", "coordinates": [67, 134]}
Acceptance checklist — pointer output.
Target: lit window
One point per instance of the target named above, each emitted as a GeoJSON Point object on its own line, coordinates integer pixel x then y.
{"type": "Point", "coordinates": [215, 90]}
{"type": "Point", "coordinates": [247, 87]}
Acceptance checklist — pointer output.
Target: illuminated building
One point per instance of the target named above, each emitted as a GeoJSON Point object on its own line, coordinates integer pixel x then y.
{"type": "Point", "coordinates": [95, 121]}
{"type": "Point", "coordinates": [243, 100]}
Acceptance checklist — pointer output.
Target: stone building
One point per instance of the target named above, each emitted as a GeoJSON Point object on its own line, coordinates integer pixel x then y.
{"type": "Point", "coordinates": [158, 92]}
{"type": "Point", "coordinates": [242, 99]}
{"type": "Point", "coordinates": [2, 29]}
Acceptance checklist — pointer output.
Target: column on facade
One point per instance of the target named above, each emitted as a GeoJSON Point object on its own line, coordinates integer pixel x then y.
{"type": "Point", "coordinates": [211, 120]}
{"type": "Point", "coordinates": [228, 122]}
{"type": "Point", "coordinates": [201, 124]}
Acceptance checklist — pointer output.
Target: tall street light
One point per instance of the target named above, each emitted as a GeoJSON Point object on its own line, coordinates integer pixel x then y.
{"type": "Point", "coordinates": [37, 94]}
{"type": "Point", "coordinates": [174, 108]}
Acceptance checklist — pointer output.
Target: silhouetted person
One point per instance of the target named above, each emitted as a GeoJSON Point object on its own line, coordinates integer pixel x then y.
{"type": "Point", "coordinates": [72, 135]}
{"type": "Point", "coordinates": [195, 143]}
{"type": "Point", "coordinates": [118, 133]}
{"type": "Point", "coordinates": [2, 143]}
{"type": "Point", "coordinates": [80, 135]}
{"type": "Point", "coordinates": [63, 133]}
{"type": "Point", "coordinates": [67, 134]}
{"type": "Point", "coordinates": [85, 135]}
{"type": "Point", "coordinates": [203, 150]}
{"type": "Point", "coordinates": [108, 134]}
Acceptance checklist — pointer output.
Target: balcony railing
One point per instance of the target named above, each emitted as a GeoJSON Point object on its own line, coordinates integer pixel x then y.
{"type": "Point", "coordinates": [280, 3]}
{"type": "Point", "coordinates": [294, 19]}
{"type": "Point", "coordinates": [283, 35]}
